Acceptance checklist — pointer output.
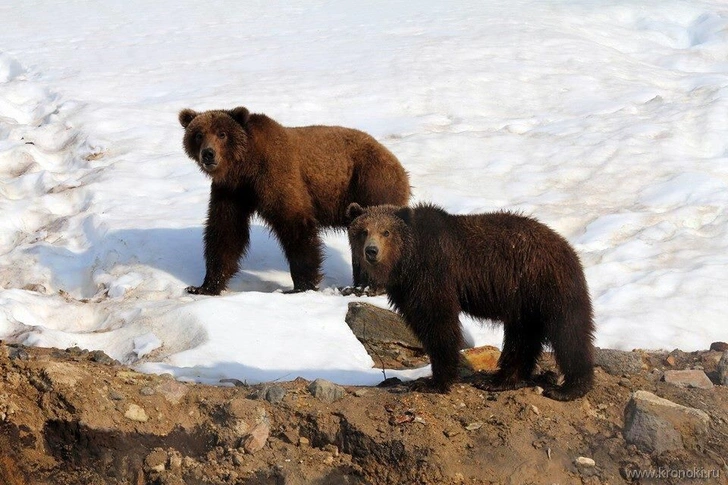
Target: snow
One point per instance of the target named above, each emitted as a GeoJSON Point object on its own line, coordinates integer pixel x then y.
{"type": "Point", "coordinates": [607, 121]}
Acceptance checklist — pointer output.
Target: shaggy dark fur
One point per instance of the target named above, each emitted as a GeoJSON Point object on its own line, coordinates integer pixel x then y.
{"type": "Point", "coordinates": [298, 180]}
{"type": "Point", "coordinates": [498, 266]}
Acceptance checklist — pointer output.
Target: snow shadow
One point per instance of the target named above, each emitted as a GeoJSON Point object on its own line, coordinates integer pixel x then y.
{"type": "Point", "coordinates": [177, 252]}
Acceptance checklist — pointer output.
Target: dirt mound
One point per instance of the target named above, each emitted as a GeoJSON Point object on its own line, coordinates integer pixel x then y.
{"type": "Point", "coordinates": [76, 417]}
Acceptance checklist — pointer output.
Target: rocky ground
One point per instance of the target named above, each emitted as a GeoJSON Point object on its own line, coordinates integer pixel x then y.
{"type": "Point", "coordinates": [77, 417]}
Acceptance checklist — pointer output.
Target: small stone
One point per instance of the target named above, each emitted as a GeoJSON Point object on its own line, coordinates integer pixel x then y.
{"type": "Point", "coordinates": [688, 378]}
{"type": "Point", "coordinates": [585, 462]}
{"type": "Point", "coordinates": [18, 353]}
{"type": "Point", "coordinates": [115, 395]}
{"type": "Point", "coordinates": [326, 391]}
{"type": "Point", "coordinates": [257, 438]}
{"type": "Point", "coordinates": [538, 390]}
{"type": "Point", "coordinates": [329, 460]}
{"type": "Point", "coordinates": [670, 360]}
{"type": "Point", "coordinates": [173, 391]}
{"type": "Point", "coordinates": [361, 392]}
{"type": "Point", "coordinates": [333, 449]}
{"type": "Point", "coordinates": [175, 460]}
{"type": "Point", "coordinates": [101, 357]}
{"type": "Point", "coordinates": [146, 391]}
{"type": "Point", "coordinates": [723, 369]}
{"type": "Point", "coordinates": [303, 442]}
{"type": "Point", "coordinates": [238, 459]}
{"type": "Point", "coordinates": [156, 461]}
{"type": "Point", "coordinates": [451, 432]}
{"type": "Point", "coordinates": [535, 410]}
{"type": "Point", "coordinates": [290, 436]}
{"type": "Point", "coordinates": [274, 394]}
{"type": "Point", "coordinates": [719, 346]}
{"type": "Point", "coordinates": [474, 426]}
{"type": "Point", "coordinates": [624, 382]}
{"type": "Point", "coordinates": [656, 425]}
{"type": "Point", "coordinates": [136, 413]}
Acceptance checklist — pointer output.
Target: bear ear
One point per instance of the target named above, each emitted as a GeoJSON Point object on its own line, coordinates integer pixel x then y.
{"type": "Point", "coordinates": [353, 211]}
{"type": "Point", "coordinates": [406, 214]}
{"type": "Point", "coordinates": [240, 114]}
{"type": "Point", "coordinates": [186, 116]}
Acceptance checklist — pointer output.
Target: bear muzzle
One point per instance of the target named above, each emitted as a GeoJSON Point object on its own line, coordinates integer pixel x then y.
{"type": "Point", "coordinates": [207, 159]}
{"type": "Point", "coordinates": [371, 253]}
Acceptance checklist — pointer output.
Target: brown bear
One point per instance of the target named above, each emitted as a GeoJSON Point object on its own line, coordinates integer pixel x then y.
{"type": "Point", "coordinates": [298, 180]}
{"type": "Point", "coordinates": [499, 266]}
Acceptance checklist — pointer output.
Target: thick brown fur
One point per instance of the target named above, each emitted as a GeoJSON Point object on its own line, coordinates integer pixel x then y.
{"type": "Point", "coordinates": [298, 180]}
{"type": "Point", "coordinates": [498, 266]}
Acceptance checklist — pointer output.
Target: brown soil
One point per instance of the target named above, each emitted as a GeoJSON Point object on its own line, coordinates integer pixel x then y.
{"type": "Point", "coordinates": [74, 417]}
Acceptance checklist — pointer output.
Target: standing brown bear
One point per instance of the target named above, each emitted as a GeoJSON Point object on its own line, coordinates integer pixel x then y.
{"type": "Point", "coordinates": [498, 266]}
{"type": "Point", "coordinates": [298, 180]}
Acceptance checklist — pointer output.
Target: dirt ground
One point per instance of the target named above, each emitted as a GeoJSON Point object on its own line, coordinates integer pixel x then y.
{"type": "Point", "coordinates": [77, 417]}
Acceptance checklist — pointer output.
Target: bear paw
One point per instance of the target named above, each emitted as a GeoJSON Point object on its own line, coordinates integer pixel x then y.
{"type": "Point", "coordinates": [201, 290]}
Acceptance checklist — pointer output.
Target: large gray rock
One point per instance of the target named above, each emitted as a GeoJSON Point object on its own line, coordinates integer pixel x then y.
{"type": "Point", "coordinates": [688, 378]}
{"type": "Point", "coordinates": [723, 369]}
{"type": "Point", "coordinates": [374, 324]}
{"type": "Point", "coordinates": [656, 425]}
{"type": "Point", "coordinates": [618, 362]}
{"type": "Point", "coordinates": [326, 391]}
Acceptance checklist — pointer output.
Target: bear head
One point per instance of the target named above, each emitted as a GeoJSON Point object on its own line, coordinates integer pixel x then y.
{"type": "Point", "coordinates": [217, 140]}
{"type": "Point", "coordinates": [380, 238]}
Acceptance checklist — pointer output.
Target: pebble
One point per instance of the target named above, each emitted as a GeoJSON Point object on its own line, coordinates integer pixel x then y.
{"type": "Point", "coordinates": [361, 392]}
{"type": "Point", "coordinates": [584, 461]}
{"type": "Point", "coordinates": [303, 441]}
{"type": "Point", "coordinates": [146, 391]}
{"type": "Point", "coordinates": [156, 461]}
{"type": "Point", "coordinates": [136, 413]}
{"type": "Point", "coordinates": [474, 426]}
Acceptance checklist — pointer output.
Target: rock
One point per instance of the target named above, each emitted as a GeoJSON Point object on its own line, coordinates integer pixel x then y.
{"type": "Point", "coordinates": [303, 442]}
{"type": "Point", "coordinates": [101, 357]}
{"type": "Point", "coordinates": [156, 461]}
{"type": "Point", "coordinates": [688, 378]}
{"type": "Point", "coordinates": [146, 391]}
{"type": "Point", "coordinates": [136, 413]}
{"type": "Point", "coordinates": [374, 324]}
{"type": "Point", "coordinates": [483, 358]}
{"type": "Point", "coordinates": [723, 369]}
{"type": "Point", "coordinates": [18, 353]}
{"type": "Point", "coordinates": [719, 346]}
{"type": "Point", "coordinates": [326, 391]}
{"type": "Point", "coordinates": [175, 460]}
{"type": "Point", "coordinates": [257, 438]}
{"type": "Point", "coordinates": [656, 425]}
{"type": "Point", "coordinates": [618, 362]}
{"type": "Point", "coordinates": [585, 462]}
{"type": "Point", "coordinates": [274, 394]}
{"type": "Point", "coordinates": [361, 392]}
{"type": "Point", "coordinates": [173, 391]}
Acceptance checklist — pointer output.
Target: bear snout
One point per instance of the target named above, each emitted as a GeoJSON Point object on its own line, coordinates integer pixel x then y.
{"type": "Point", "coordinates": [207, 156]}
{"type": "Point", "coordinates": [371, 252]}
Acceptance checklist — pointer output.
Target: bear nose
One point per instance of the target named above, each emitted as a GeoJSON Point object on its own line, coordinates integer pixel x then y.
{"type": "Point", "coordinates": [371, 253]}
{"type": "Point", "coordinates": [208, 155]}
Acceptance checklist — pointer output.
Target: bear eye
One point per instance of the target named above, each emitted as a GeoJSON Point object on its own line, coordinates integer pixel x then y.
{"type": "Point", "coordinates": [385, 234]}
{"type": "Point", "coordinates": [364, 233]}
{"type": "Point", "coordinates": [198, 136]}
{"type": "Point", "coordinates": [222, 135]}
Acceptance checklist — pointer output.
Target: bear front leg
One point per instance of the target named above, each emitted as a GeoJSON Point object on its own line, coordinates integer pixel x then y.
{"type": "Point", "coordinates": [227, 235]}
{"type": "Point", "coordinates": [437, 326]}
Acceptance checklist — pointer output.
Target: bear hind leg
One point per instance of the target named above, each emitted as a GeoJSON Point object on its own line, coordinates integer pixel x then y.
{"type": "Point", "coordinates": [522, 346]}
{"type": "Point", "coordinates": [303, 249]}
{"type": "Point", "coordinates": [571, 340]}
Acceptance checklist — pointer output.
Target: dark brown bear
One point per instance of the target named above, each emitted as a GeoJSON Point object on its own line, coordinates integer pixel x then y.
{"type": "Point", "coordinates": [498, 266]}
{"type": "Point", "coordinates": [298, 180]}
